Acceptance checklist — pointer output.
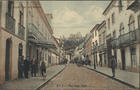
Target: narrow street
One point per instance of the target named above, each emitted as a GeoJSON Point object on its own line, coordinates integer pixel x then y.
{"type": "Point", "coordinates": [80, 78]}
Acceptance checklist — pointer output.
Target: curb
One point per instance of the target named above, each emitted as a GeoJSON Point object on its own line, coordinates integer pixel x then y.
{"type": "Point", "coordinates": [43, 84]}
{"type": "Point", "coordinates": [123, 82]}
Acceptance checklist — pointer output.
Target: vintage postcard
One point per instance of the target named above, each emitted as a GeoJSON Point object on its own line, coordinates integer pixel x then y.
{"type": "Point", "coordinates": [69, 44]}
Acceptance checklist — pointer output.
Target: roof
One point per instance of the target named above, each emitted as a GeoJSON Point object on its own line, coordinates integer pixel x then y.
{"type": "Point", "coordinates": [94, 28]}
{"type": "Point", "coordinates": [108, 7]}
{"type": "Point", "coordinates": [101, 25]}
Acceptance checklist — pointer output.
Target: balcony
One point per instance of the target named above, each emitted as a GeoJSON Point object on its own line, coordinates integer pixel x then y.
{"type": "Point", "coordinates": [34, 32]}
{"type": "Point", "coordinates": [95, 49]}
{"type": "Point", "coordinates": [10, 23]}
{"type": "Point", "coordinates": [114, 43]}
{"type": "Point", "coordinates": [101, 47]}
{"type": "Point", "coordinates": [21, 31]}
{"type": "Point", "coordinates": [129, 38]}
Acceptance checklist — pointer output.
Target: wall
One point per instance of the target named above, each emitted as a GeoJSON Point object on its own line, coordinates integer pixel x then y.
{"type": "Point", "coordinates": [14, 58]}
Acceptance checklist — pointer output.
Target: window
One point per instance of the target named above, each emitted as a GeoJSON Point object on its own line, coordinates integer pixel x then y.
{"type": "Point", "coordinates": [113, 18]}
{"type": "Point", "coordinates": [120, 5]}
{"type": "Point", "coordinates": [95, 33]}
{"type": "Point", "coordinates": [93, 44]}
{"type": "Point", "coordinates": [114, 34]}
{"type": "Point", "coordinates": [96, 43]}
{"type": "Point", "coordinates": [10, 7]}
{"type": "Point", "coordinates": [103, 37]}
{"type": "Point", "coordinates": [121, 29]}
{"type": "Point", "coordinates": [21, 15]}
{"type": "Point", "coordinates": [100, 39]}
{"type": "Point", "coordinates": [131, 23]}
{"type": "Point", "coordinates": [108, 23]}
{"type": "Point", "coordinates": [133, 57]}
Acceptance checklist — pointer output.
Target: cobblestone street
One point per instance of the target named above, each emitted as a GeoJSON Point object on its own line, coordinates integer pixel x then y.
{"type": "Point", "coordinates": [80, 78]}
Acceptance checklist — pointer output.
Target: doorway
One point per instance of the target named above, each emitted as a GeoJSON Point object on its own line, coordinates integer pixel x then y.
{"type": "Point", "coordinates": [8, 59]}
{"type": "Point", "coordinates": [109, 51]}
{"type": "Point", "coordinates": [20, 49]}
{"type": "Point", "coordinates": [123, 59]}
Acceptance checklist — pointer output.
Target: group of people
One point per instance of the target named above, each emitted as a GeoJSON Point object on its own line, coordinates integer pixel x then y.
{"type": "Point", "coordinates": [27, 65]}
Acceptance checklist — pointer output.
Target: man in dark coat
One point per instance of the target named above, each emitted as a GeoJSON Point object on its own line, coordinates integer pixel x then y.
{"type": "Point", "coordinates": [26, 68]}
{"type": "Point", "coordinates": [94, 63]}
{"type": "Point", "coordinates": [43, 68]}
{"type": "Point", "coordinates": [20, 67]}
{"type": "Point", "coordinates": [33, 67]}
{"type": "Point", "coordinates": [113, 65]}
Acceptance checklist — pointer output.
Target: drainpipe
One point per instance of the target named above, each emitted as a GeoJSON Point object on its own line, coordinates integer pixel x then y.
{"type": "Point", "coordinates": [139, 58]}
{"type": "Point", "coordinates": [26, 37]}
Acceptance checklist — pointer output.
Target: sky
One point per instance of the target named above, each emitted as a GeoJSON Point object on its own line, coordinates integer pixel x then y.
{"type": "Point", "coordinates": [70, 17]}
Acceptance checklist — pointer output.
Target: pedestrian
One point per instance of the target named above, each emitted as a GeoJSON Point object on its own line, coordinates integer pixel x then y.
{"type": "Point", "coordinates": [20, 67]}
{"type": "Point", "coordinates": [33, 67]}
{"type": "Point", "coordinates": [43, 68]}
{"type": "Point", "coordinates": [100, 63]}
{"type": "Point", "coordinates": [26, 67]}
{"type": "Point", "coordinates": [94, 64]}
{"type": "Point", "coordinates": [113, 65]}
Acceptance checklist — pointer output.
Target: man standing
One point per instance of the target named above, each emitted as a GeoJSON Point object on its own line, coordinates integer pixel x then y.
{"type": "Point", "coordinates": [43, 68]}
{"type": "Point", "coordinates": [113, 65]}
{"type": "Point", "coordinates": [94, 63]}
{"type": "Point", "coordinates": [19, 67]}
{"type": "Point", "coordinates": [26, 68]}
{"type": "Point", "coordinates": [33, 67]}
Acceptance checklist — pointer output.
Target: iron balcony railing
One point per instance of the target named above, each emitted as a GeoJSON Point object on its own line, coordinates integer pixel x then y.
{"type": "Point", "coordinates": [130, 37]}
{"type": "Point", "coordinates": [102, 47]}
{"type": "Point", "coordinates": [34, 31]}
{"type": "Point", "coordinates": [95, 49]}
{"type": "Point", "coordinates": [126, 39]}
{"type": "Point", "coordinates": [10, 23]}
{"type": "Point", "coordinates": [21, 31]}
{"type": "Point", "coordinates": [114, 43]}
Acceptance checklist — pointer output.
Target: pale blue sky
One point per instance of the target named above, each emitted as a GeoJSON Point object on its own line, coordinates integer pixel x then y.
{"type": "Point", "coordinates": [74, 16]}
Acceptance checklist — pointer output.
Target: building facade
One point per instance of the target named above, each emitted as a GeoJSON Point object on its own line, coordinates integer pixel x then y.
{"type": "Point", "coordinates": [102, 44]}
{"type": "Point", "coordinates": [89, 48]}
{"type": "Point", "coordinates": [42, 45]}
{"type": "Point", "coordinates": [25, 30]}
{"type": "Point", "coordinates": [95, 44]}
{"type": "Point", "coordinates": [12, 37]}
{"type": "Point", "coordinates": [123, 32]}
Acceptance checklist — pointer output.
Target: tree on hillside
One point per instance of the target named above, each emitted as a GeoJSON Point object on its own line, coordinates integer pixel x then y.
{"type": "Point", "coordinates": [72, 41]}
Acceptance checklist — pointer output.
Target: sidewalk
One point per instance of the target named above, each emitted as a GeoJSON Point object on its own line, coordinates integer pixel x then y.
{"type": "Point", "coordinates": [130, 78]}
{"type": "Point", "coordinates": [32, 83]}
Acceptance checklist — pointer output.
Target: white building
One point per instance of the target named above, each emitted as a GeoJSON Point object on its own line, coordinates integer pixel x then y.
{"type": "Point", "coordinates": [95, 44]}
{"type": "Point", "coordinates": [102, 44]}
{"type": "Point", "coordinates": [123, 22]}
{"type": "Point", "coordinates": [12, 37]}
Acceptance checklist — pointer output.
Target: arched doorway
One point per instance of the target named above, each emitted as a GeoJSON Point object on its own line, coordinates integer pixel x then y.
{"type": "Point", "coordinates": [20, 48]}
{"type": "Point", "coordinates": [20, 61]}
{"type": "Point", "coordinates": [8, 59]}
{"type": "Point", "coordinates": [131, 23]}
{"type": "Point", "coordinates": [123, 59]}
